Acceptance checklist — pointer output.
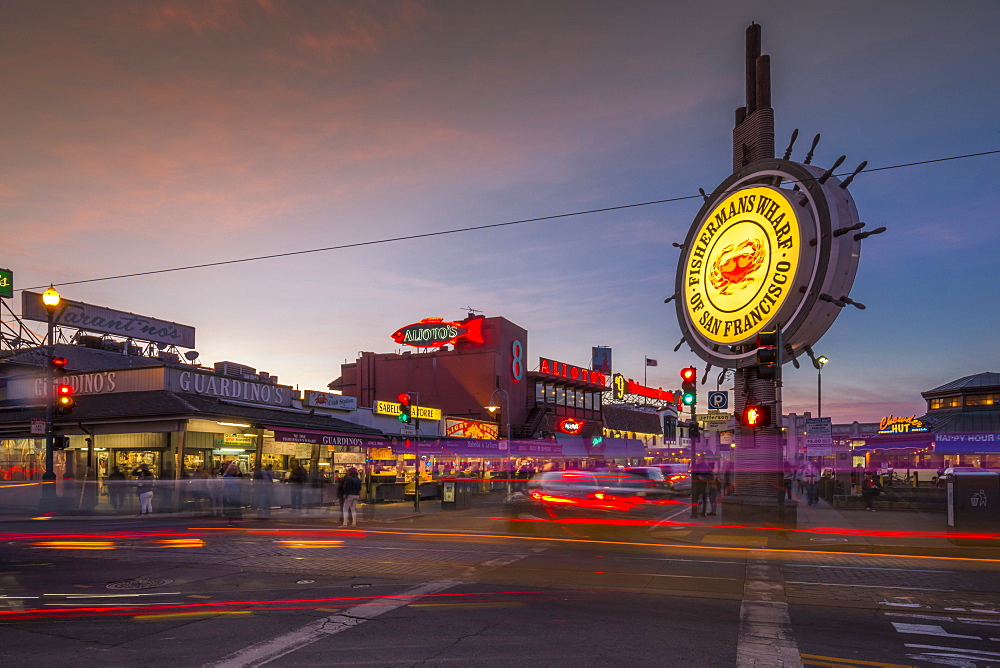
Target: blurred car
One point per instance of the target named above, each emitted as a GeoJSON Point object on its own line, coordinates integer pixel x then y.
{"type": "Point", "coordinates": [677, 476]}
{"type": "Point", "coordinates": [949, 473]}
{"type": "Point", "coordinates": [651, 473]}
{"type": "Point", "coordinates": [587, 495]}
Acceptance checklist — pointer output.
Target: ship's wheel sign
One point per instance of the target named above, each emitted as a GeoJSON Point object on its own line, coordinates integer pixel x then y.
{"type": "Point", "coordinates": [767, 248]}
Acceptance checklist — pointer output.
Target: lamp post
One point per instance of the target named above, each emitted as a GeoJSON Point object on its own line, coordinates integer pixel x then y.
{"type": "Point", "coordinates": [51, 299]}
{"type": "Point", "coordinates": [818, 362]}
{"type": "Point", "coordinates": [492, 408]}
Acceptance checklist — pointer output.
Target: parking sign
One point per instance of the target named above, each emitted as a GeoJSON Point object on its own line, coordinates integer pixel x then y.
{"type": "Point", "coordinates": [718, 401]}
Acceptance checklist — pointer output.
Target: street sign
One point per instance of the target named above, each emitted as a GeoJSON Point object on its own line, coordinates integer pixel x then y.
{"type": "Point", "coordinates": [819, 437]}
{"type": "Point", "coordinates": [37, 426]}
{"type": "Point", "coordinates": [407, 430]}
{"type": "Point", "coordinates": [718, 401]}
{"type": "Point", "coordinates": [713, 417]}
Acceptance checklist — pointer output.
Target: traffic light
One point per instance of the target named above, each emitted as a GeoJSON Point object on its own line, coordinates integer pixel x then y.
{"type": "Point", "coordinates": [405, 408]}
{"type": "Point", "coordinates": [60, 442]}
{"type": "Point", "coordinates": [694, 431]}
{"type": "Point", "coordinates": [64, 399]}
{"type": "Point", "coordinates": [689, 386]}
{"type": "Point", "coordinates": [59, 366]}
{"type": "Point", "coordinates": [767, 354]}
{"type": "Point", "coordinates": [756, 415]}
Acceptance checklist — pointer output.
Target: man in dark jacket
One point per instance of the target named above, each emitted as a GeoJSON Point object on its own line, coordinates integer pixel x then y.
{"type": "Point", "coordinates": [352, 492]}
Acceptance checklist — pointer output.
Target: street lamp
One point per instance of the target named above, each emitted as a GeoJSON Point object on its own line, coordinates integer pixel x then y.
{"type": "Point", "coordinates": [51, 299]}
{"type": "Point", "coordinates": [492, 408]}
{"type": "Point", "coordinates": [818, 362]}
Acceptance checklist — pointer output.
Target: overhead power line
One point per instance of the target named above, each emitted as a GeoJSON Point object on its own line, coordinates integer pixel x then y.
{"type": "Point", "coordinates": [458, 230]}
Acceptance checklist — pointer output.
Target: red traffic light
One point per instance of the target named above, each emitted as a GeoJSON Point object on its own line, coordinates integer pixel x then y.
{"type": "Point", "coordinates": [688, 374]}
{"type": "Point", "coordinates": [64, 390]}
{"type": "Point", "coordinates": [60, 362]}
{"type": "Point", "coordinates": [403, 398]}
{"type": "Point", "coordinates": [755, 415]}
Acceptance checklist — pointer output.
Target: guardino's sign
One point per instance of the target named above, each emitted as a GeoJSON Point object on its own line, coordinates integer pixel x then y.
{"type": "Point", "coordinates": [434, 332]}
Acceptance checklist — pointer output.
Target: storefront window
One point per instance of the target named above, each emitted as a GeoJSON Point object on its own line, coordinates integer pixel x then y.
{"type": "Point", "coordinates": [946, 402]}
{"type": "Point", "coordinates": [129, 460]}
{"type": "Point", "coordinates": [982, 399]}
{"type": "Point", "coordinates": [540, 393]}
{"type": "Point", "coordinates": [550, 393]}
{"type": "Point", "coordinates": [560, 396]}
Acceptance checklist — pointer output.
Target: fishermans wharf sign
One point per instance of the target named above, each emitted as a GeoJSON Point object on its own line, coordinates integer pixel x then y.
{"type": "Point", "coordinates": [743, 260]}
{"type": "Point", "coordinates": [773, 245]}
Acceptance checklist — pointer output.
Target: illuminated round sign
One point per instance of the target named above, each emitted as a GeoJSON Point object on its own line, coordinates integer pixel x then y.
{"type": "Point", "coordinates": [766, 250]}
{"type": "Point", "coordinates": [744, 259]}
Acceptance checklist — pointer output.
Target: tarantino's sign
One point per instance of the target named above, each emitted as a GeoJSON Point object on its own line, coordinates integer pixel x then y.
{"type": "Point", "coordinates": [90, 318]}
{"type": "Point", "coordinates": [741, 264]}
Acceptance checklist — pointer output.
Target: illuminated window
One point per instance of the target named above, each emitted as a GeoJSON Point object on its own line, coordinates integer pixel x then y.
{"type": "Point", "coordinates": [982, 399]}
{"type": "Point", "coordinates": [540, 393]}
{"type": "Point", "coordinates": [588, 400]}
{"type": "Point", "coordinates": [946, 402]}
{"type": "Point", "coordinates": [550, 394]}
{"type": "Point", "coordinates": [560, 396]}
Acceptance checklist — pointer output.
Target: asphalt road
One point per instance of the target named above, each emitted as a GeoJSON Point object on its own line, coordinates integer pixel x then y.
{"type": "Point", "coordinates": [445, 590]}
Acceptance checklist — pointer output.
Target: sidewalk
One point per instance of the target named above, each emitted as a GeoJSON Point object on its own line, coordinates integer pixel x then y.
{"type": "Point", "coordinates": [824, 528]}
{"type": "Point", "coordinates": [383, 512]}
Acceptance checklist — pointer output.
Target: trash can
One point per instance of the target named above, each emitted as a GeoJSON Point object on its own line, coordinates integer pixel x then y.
{"type": "Point", "coordinates": [456, 494]}
{"type": "Point", "coordinates": [973, 507]}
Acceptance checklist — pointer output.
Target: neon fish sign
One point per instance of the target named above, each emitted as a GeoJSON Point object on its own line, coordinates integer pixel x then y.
{"type": "Point", "coordinates": [434, 332]}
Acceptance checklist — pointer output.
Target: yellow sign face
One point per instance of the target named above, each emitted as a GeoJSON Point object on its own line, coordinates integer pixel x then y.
{"type": "Point", "coordinates": [741, 264]}
{"type": "Point", "coordinates": [393, 408]}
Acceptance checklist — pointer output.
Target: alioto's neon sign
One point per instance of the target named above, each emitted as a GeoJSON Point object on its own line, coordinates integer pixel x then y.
{"type": "Point", "coordinates": [434, 332]}
{"type": "Point", "coordinates": [553, 368]}
{"type": "Point", "coordinates": [570, 426]}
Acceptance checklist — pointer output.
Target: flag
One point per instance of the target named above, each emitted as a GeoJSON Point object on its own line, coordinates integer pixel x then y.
{"type": "Point", "coordinates": [650, 362]}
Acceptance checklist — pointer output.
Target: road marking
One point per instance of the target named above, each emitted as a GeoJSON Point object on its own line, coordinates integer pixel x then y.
{"type": "Point", "coordinates": [819, 660]}
{"type": "Point", "coordinates": [269, 650]}
{"type": "Point", "coordinates": [956, 651]}
{"type": "Point", "coordinates": [929, 630]}
{"type": "Point", "coordinates": [834, 584]}
{"type": "Point", "coordinates": [765, 636]}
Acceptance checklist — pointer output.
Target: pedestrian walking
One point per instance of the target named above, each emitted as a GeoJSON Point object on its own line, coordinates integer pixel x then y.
{"type": "Point", "coordinates": [870, 490]}
{"type": "Point", "coordinates": [263, 491]}
{"type": "Point", "coordinates": [352, 492]}
{"type": "Point", "coordinates": [811, 478]}
{"type": "Point", "coordinates": [214, 488]}
{"type": "Point", "coordinates": [116, 482]}
{"type": "Point", "coordinates": [232, 492]}
{"type": "Point", "coordinates": [699, 487]}
{"type": "Point", "coordinates": [297, 478]}
{"type": "Point", "coordinates": [144, 488]}
{"type": "Point", "coordinates": [713, 488]}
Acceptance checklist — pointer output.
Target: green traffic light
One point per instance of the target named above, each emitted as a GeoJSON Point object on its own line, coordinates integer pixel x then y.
{"type": "Point", "coordinates": [404, 418]}
{"type": "Point", "coordinates": [687, 399]}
